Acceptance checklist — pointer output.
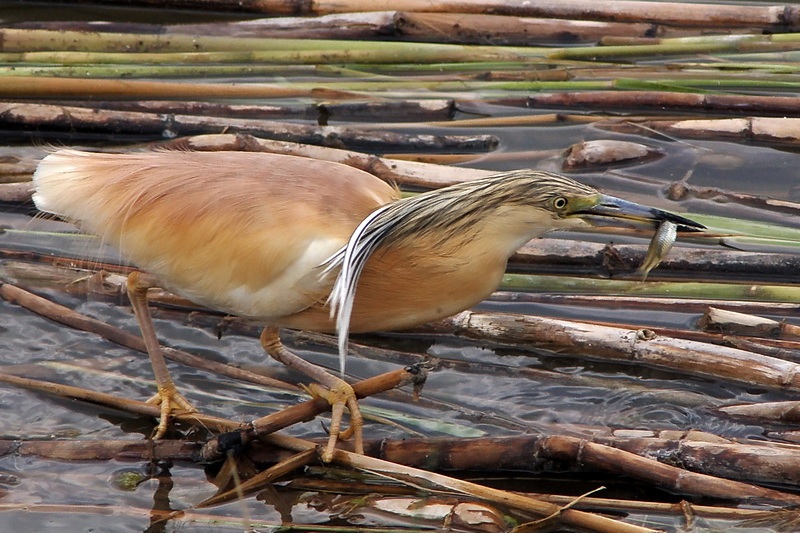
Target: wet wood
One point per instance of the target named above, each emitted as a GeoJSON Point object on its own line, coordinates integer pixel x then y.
{"type": "Point", "coordinates": [685, 262]}
{"type": "Point", "coordinates": [30, 87]}
{"type": "Point", "coordinates": [218, 447]}
{"type": "Point", "coordinates": [409, 173]}
{"type": "Point", "coordinates": [322, 113]}
{"type": "Point", "coordinates": [787, 412]}
{"type": "Point", "coordinates": [70, 122]}
{"type": "Point", "coordinates": [260, 481]}
{"type": "Point", "coordinates": [642, 346]}
{"type": "Point", "coordinates": [462, 28]}
{"type": "Point", "coordinates": [104, 450]}
{"type": "Point", "coordinates": [756, 462]}
{"type": "Point", "coordinates": [585, 502]}
{"type": "Point", "coordinates": [775, 464]}
{"type": "Point", "coordinates": [16, 169]}
{"type": "Point", "coordinates": [779, 349]}
{"type": "Point", "coordinates": [658, 101]}
{"type": "Point", "coordinates": [670, 477]}
{"type": "Point", "coordinates": [420, 477]}
{"type": "Point", "coordinates": [674, 13]}
{"type": "Point", "coordinates": [15, 192]}
{"type": "Point", "coordinates": [742, 324]}
{"type": "Point", "coordinates": [338, 26]}
{"type": "Point", "coordinates": [773, 130]}
{"type": "Point", "coordinates": [680, 190]}
{"type": "Point", "coordinates": [478, 28]}
{"type": "Point", "coordinates": [599, 154]}
{"type": "Point", "coordinates": [687, 305]}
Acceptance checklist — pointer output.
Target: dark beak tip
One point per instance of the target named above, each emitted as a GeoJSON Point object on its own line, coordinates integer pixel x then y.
{"type": "Point", "coordinates": [683, 223]}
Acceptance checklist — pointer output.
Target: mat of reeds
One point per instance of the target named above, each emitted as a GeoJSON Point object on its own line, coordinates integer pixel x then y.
{"type": "Point", "coordinates": [578, 397]}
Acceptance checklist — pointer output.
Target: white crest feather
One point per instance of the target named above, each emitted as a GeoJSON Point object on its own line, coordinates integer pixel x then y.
{"type": "Point", "coordinates": [352, 258]}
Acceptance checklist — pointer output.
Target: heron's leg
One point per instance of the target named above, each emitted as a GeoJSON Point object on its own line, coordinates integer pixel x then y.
{"type": "Point", "coordinates": [336, 391]}
{"type": "Point", "coordinates": [168, 396]}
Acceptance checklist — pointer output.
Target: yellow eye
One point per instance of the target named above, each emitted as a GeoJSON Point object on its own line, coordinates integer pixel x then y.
{"type": "Point", "coordinates": [559, 203]}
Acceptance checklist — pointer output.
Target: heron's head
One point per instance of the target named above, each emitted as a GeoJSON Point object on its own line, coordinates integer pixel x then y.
{"type": "Point", "coordinates": [563, 203]}
{"type": "Point", "coordinates": [506, 210]}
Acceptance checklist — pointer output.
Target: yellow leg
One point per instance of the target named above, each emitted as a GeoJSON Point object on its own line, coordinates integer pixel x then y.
{"type": "Point", "coordinates": [168, 396]}
{"type": "Point", "coordinates": [336, 391]}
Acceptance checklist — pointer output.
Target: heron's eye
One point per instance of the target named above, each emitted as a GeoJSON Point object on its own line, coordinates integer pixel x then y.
{"type": "Point", "coordinates": [559, 203]}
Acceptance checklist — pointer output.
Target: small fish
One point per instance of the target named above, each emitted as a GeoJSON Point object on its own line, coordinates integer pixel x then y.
{"type": "Point", "coordinates": [660, 246]}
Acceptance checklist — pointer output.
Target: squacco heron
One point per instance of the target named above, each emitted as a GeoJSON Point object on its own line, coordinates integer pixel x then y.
{"type": "Point", "coordinates": [307, 244]}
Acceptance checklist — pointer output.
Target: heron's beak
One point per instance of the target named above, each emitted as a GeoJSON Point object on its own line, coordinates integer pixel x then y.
{"type": "Point", "coordinates": [603, 210]}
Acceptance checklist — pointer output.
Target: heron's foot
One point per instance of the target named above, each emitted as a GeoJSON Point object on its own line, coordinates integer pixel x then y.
{"type": "Point", "coordinates": [340, 395]}
{"type": "Point", "coordinates": [171, 402]}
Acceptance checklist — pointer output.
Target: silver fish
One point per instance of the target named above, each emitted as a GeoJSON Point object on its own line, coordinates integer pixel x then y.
{"type": "Point", "coordinates": [660, 245]}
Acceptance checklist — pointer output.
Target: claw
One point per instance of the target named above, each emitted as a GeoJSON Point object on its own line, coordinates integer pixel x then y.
{"type": "Point", "coordinates": [341, 395]}
{"type": "Point", "coordinates": [171, 402]}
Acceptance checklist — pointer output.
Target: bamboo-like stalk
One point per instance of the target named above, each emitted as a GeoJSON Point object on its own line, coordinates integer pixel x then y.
{"type": "Point", "coordinates": [362, 76]}
{"type": "Point", "coordinates": [117, 70]}
{"type": "Point", "coordinates": [756, 462]}
{"type": "Point", "coordinates": [461, 28]}
{"type": "Point", "coordinates": [751, 462]}
{"type": "Point", "coordinates": [15, 192]}
{"type": "Point", "coordinates": [711, 291]}
{"type": "Point", "coordinates": [710, 44]}
{"type": "Point", "coordinates": [321, 113]}
{"type": "Point", "coordinates": [674, 13]}
{"type": "Point", "coordinates": [728, 104]}
{"type": "Point", "coordinates": [479, 28]}
{"type": "Point", "coordinates": [248, 49]}
{"type": "Point", "coordinates": [618, 344]}
{"type": "Point", "coordinates": [561, 255]}
{"type": "Point", "coordinates": [219, 447]}
{"type": "Point", "coordinates": [77, 120]}
{"type": "Point", "coordinates": [786, 412]}
{"type": "Point", "coordinates": [314, 55]}
{"type": "Point", "coordinates": [584, 502]}
{"type": "Point", "coordinates": [53, 87]}
{"type": "Point", "coordinates": [778, 130]}
{"type": "Point", "coordinates": [735, 323]}
{"type": "Point", "coordinates": [689, 305]}
{"type": "Point", "coordinates": [410, 173]}
{"type": "Point", "coordinates": [623, 462]}
{"type": "Point", "coordinates": [44, 87]}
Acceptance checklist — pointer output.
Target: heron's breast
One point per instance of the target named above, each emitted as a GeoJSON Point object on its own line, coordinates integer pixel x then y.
{"type": "Point", "coordinates": [406, 286]}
